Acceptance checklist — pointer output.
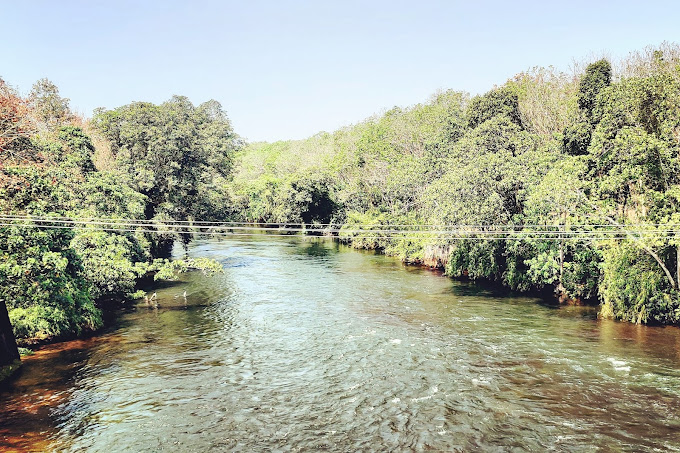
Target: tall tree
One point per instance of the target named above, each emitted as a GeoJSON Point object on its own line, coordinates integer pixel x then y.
{"type": "Point", "coordinates": [577, 136]}
{"type": "Point", "coordinates": [49, 109]}
{"type": "Point", "coordinates": [172, 152]}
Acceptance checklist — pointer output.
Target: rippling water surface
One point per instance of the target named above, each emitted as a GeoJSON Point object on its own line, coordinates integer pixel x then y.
{"type": "Point", "coordinates": [305, 345]}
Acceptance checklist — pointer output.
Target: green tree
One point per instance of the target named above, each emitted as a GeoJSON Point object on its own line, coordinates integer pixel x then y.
{"type": "Point", "coordinates": [171, 153]}
{"type": "Point", "coordinates": [500, 101]}
{"type": "Point", "coordinates": [49, 109]}
{"type": "Point", "coordinates": [112, 263]}
{"type": "Point", "coordinates": [598, 75]}
{"type": "Point", "coordinates": [42, 283]}
{"type": "Point", "coordinates": [577, 136]}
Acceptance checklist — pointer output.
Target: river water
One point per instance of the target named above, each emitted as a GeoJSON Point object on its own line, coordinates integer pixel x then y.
{"type": "Point", "coordinates": [305, 345]}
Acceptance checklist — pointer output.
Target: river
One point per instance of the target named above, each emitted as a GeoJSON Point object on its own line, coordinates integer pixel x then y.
{"type": "Point", "coordinates": [303, 344]}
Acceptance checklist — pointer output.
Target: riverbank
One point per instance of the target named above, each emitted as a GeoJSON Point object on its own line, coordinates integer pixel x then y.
{"type": "Point", "coordinates": [112, 309]}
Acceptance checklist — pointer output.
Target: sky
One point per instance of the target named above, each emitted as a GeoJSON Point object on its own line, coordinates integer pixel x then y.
{"type": "Point", "coordinates": [289, 69]}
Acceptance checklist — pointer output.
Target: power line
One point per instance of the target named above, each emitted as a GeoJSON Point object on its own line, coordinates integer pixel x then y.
{"type": "Point", "coordinates": [307, 226]}
{"type": "Point", "coordinates": [398, 235]}
{"type": "Point", "coordinates": [263, 225]}
{"type": "Point", "coordinates": [322, 227]}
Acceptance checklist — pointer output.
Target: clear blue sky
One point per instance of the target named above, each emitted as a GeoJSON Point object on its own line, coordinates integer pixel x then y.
{"type": "Point", "coordinates": [288, 69]}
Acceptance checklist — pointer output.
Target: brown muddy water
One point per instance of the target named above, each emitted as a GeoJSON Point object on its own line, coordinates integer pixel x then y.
{"type": "Point", "coordinates": [304, 345]}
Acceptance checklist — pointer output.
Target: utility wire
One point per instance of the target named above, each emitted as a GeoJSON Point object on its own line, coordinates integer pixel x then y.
{"type": "Point", "coordinates": [307, 226]}
{"type": "Point", "coordinates": [94, 220]}
{"type": "Point", "coordinates": [348, 231]}
{"type": "Point", "coordinates": [262, 225]}
{"type": "Point", "coordinates": [521, 235]}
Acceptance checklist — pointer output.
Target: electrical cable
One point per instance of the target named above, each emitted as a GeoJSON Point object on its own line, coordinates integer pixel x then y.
{"type": "Point", "coordinates": [284, 224]}
{"type": "Point", "coordinates": [404, 234]}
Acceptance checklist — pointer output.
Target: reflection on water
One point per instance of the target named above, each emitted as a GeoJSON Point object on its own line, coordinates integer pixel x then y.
{"type": "Point", "coordinates": [302, 344]}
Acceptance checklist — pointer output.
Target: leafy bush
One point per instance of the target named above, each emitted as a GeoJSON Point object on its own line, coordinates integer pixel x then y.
{"type": "Point", "coordinates": [42, 283]}
{"type": "Point", "coordinates": [112, 262]}
{"type": "Point", "coordinates": [634, 290]}
{"type": "Point", "coordinates": [499, 102]}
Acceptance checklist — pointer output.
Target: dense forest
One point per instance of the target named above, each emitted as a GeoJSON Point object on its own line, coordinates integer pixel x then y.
{"type": "Point", "coordinates": [566, 153]}
{"type": "Point", "coordinates": [544, 156]}
{"type": "Point", "coordinates": [140, 162]}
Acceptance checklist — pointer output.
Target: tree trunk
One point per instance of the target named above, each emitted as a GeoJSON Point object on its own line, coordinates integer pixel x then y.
{"type": "Point", "coordinates": [9, 353]}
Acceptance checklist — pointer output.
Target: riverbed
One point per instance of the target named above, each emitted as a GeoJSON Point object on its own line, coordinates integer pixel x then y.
{"type": "Point", "coordinates": [306, 345]}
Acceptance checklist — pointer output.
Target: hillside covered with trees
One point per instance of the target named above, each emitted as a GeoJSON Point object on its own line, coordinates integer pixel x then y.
{"type": "Point", "coordinates": [546, 151]}
{"type": "Point", "coordinates": [566, 153]}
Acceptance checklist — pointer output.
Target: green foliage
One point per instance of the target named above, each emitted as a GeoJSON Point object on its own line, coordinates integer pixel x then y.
{"type": "Point", "coordinates": [634, 290]}
{"type": "Point", "coordinates": [108, 195]}
{"type": "Point", "coordinates": [42, 284]}
{"type": "Point", "coordinates": [547, 100]}
{"type": "Point", "coordinates": [576, 138]}
{"type": "Point", "coordinates": [312, 197]}
{"type": "Point", "coordinates": [172, 161]}
{"type": "Point", "coordinates": [486, 176]}
{"type": "Point", "coordinates": [632, 163]}
{"type": "Point", "coordinates": [48, 108]}
{"type": "Point", "coordinates": [168, 269]}
{"type": "Point", "coordinates": [516, 274]}
{"type": "Point", "coordinates": [365, 230]}
{"type": "Point", "coordinates": [8, 370]}
{"type": "Point", "coordinates": [296, 199]}
{"type": "Point", "coordinates": [598, 75]}
{"type": "Point", "coordinates": [170, 150]}
{"type": "Point", "coordinates": [112, 262]}
{"type": "Point", "coordinates": [175, 155]}
{"type": "Point", "coordinates": [570, 266]}
{"type": "Point", "coordinates": [24, 352]}
{"type": "Point", "coordinates": [635, 179]}
{"type": "Point", "coordinates": [383, 164]}
{"type": "Point", "coordinates": [477, 260]}
{"type": "Point", "coordinates": [26, 189]}
{"type": "Point", "coordinates": [499, 102]}
{"type": "Point", "coordinates": [582, 269]}
{"type": "Point", "coordinates": [78, 149]}
{"type": "Point", "coordinates": [577, 135]}
{"type": "Point", "coordinates": [546, 151]}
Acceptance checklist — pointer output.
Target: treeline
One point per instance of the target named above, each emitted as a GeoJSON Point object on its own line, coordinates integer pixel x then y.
{"type": "Point", "coordinates": [545, 150]}
{"type": "Point", "coordinates": [141, 162]}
